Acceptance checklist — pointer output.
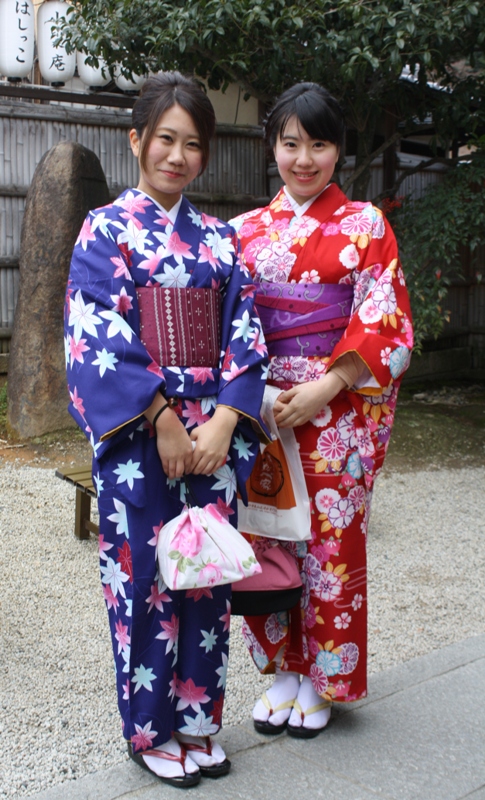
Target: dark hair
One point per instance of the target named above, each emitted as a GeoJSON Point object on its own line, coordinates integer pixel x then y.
{"type": "Point", "coordinates": [158, 95]}
{"type": "Point", "coordinates": [317, 111]}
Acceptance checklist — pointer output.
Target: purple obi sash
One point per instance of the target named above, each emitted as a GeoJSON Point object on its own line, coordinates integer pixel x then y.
{"type": "Point", "coordinates": [181, 327]}
{"type": "Point", "coordinates": [303, 319]}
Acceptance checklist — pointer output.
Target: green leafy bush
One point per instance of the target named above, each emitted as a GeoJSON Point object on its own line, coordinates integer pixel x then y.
{"type": "Point", "coordinates": [432, 232]}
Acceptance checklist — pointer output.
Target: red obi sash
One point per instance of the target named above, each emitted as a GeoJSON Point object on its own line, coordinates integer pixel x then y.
{"type": "Point", "coordinates": [181, 327]}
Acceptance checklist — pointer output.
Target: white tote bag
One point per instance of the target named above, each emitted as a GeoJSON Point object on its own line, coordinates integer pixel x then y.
{"type": "Point", "coordinates": [278, 504]}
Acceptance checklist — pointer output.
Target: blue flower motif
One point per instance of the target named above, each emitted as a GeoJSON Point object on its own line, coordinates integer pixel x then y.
{"type": "Point", "coordinates": [260, 659]}
{"type": "Point", "coordinates": [399, 361]}
{"type": "Point", "coordinates": [354, 466]}
{"type": "Point", "coordinates": [329, 662]}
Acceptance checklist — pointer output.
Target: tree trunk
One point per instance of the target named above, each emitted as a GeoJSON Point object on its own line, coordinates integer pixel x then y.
{"type": "Point", "coordinates": [365, 146]}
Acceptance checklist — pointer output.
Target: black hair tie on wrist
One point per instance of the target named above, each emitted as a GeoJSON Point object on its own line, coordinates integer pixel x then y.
{"type": "Point", "coordinates": [160, 411]}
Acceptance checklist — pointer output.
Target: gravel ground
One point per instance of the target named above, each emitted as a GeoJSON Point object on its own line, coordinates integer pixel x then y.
{"type": "Point", "coordinates": [58, 717]}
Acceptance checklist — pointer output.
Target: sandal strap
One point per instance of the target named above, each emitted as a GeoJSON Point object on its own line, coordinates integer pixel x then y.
{"type": "Point", "coordinates": [312, 709]}
{"type": "Point", "coordinates": [200, 748]}
{"type": "Point", "coordinates": [280, 707]}
{"type": "Point", "coordinates": [168, 756]}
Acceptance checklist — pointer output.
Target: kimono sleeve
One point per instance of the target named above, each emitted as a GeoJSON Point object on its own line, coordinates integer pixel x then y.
{"type": "Point", "coordinates": [380, 327]}
{"type": "Point", "coordinates": [244, 353]}
{"type": "Point", "coordinates": [111, 378]}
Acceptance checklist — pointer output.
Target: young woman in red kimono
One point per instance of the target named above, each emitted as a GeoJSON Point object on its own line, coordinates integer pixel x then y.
{"type": "Point", "coordinates": [335, 313]}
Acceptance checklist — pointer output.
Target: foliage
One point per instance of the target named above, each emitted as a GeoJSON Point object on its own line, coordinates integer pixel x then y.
{"type": "Point", "coordinates": [432, 233]}
{"type": "Point", "coordinates": [356, 48]}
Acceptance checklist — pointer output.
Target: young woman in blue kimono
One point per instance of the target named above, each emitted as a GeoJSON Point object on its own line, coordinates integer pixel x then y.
{"type": "Point", "coordinates": [152, 420]}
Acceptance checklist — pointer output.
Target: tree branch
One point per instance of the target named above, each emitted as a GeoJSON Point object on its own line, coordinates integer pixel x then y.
{"type": "Point", "coordinates": [449, 162]}
{"type": "Point", "coordinates": [363, 166]}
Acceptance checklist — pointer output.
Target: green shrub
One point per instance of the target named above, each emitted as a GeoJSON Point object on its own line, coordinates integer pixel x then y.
{"type": "Point", "coordinates": [432, 232]}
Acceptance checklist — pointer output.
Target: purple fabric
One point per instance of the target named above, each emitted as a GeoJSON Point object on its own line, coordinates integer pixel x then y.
{"type": "Point", "coordinates": [303, 319]}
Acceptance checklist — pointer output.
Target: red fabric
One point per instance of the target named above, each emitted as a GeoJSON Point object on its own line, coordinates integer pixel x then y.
{"type": "Point", "coordinates": [343, 447]}
{"type": "Point", "coordinates": [181, 327]}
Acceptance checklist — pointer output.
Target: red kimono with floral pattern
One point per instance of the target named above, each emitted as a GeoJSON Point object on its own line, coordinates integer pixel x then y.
{"type": "Point", "coordinates": [342, 448]}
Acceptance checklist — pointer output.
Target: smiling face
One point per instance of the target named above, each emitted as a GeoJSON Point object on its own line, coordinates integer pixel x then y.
{"type": "Point", "coordinates": [173, 157]}
{"type": "Point", "coordinates": [306, 165]}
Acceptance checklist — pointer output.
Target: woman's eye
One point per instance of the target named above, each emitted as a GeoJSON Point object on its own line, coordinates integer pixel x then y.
{"type": "Point", "coordinates": [165, 137]}
{"type": "Point", "coordinates": [195, 145]}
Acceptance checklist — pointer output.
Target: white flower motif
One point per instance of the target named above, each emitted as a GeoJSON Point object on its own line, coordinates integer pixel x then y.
{"type": "Point", "coordinates": [330, 445]}
{"type": "Point", "coordinates": [385, 356]}
{"type": "Point", "coordinates": [120, 518]}
{"type": "Point", "coordinates": [200, 726]}
{"type": "Point", "coordinates": [82, 316]}
{"type": "Point", "coordinates": [310, 277]}
{"type": "Point", "coordinates": [325, 498]}
{"type": "Point", "coordinates": [369, 313]}
{"type": "Point", "coordinates": [349, 256]}
{"type": "Point", "coordinates": [226, 481]}
{"type": "Point", "coordinates": [113, 574]}
{"type": "Point", "coordinates": [356, 224]}
{"type": "Point", "coordinates": [173, 277]}
{"type": "Point", "coordinates": [143, 677]}
{"type": "Point", "coordinates": [135, 238]}
{"type": "Point", "coordinates": [222, 247]}
{"type": "Point", "coordinates": [117, 325]}
{"type": "Point", "coordinates": [343, 621]}
{"type": "Point", "coordinates": [222, 672]}
{"type": "Point", "coordinates": [341, 514]}
{"type": "Point", "coordinates": [323, 417]}
{"type": "Point", "coordinates": [128, 472]}
{"type": "Point", "coordinates": [243, 327]}
{"type": "Point", "coordinates": [329, 588]}
{"type": "Point", "coordinates": [357, 602]}
{"type": "Point", "coordinates": [384, 297]}
{"type": "Point", "coordinates": [104, 361]}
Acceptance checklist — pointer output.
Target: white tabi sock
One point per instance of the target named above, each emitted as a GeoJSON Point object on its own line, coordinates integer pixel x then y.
{"type": "Point", "coordinates": [201, 758]}
{"type": "Point", "coordinates": [307, 700]}
{"type": "Point", "coordinates": [170, 769]}
{"type": "Point", "coordinates": [285, 688]}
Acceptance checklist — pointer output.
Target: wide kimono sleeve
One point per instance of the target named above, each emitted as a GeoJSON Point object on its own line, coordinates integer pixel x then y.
{"type": "Point", "coordinates": [380, 327]}
{"type": "Point", "coordinates": [112, 379]}
{"type": "Point", "coordinates": [243, 349]}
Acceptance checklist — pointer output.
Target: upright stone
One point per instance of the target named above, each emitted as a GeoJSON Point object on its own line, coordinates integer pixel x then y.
{"type": "Point", "coordinates": [67, 183]}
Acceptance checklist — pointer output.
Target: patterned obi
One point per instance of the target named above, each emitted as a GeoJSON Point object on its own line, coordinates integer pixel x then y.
{"type": "Point", "coordinates": [303, 319]}
{"type": "Point", "coordinates": [181, 327]}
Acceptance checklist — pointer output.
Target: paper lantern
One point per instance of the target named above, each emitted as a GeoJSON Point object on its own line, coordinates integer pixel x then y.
{"type": "Point", "coordinates": [127, 85]}
{"type": "Point", "coordinates": [16, 38]}
{"type": "Point", "coordinates": [93, 77]}
{"type": "Point", "coordinates": [55, 65]}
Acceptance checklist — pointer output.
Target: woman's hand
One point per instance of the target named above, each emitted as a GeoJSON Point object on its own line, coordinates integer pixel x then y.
{"type": "Point", "coordinates": [212, 441]}
{"type": "Point", "coordinates": [173, 442]}
{"type": "Point", "coordinates": [302, 402]}
{"type": "Point", "coordinates": [173, 445]}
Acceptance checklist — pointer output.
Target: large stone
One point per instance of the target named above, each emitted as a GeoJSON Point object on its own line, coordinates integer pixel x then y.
{"type": "Point", "coordinates": [67, 183]}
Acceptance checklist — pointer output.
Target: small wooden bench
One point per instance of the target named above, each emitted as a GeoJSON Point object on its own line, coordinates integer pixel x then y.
{"type": "Point", "coordinates": [81, 478]}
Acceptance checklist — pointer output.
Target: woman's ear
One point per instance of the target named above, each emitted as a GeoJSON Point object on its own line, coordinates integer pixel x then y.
{"type": "Point", "coordinates": [135, 143]}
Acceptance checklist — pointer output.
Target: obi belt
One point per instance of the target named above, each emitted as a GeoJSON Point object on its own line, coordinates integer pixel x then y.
{"type": "Point", "coordinates": [181, 327]}
{"type": "Point", "coordinates": [303, 319]}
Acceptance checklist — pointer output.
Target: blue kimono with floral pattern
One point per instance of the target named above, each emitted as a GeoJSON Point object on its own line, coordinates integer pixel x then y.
{"type": "Point", "coordinates": [170, 647]}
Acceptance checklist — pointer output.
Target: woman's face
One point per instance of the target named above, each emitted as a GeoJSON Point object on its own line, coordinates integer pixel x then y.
{"type": "Point", "coordinates": [173, 157]}
{"type": "Point", "coordinates": [306, 165]}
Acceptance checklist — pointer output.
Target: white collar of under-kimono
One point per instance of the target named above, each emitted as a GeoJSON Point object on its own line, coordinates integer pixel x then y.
{"type": "Point", "coordinates": [298, 209]}
{"type": "Point", "coordinates": [172, 214]}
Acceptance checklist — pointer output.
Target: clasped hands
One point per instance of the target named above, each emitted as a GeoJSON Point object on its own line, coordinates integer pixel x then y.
{"type": "Point", "coordinates": [300, 403]}
{"type": "Point", "coordinates": [212, 439]}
